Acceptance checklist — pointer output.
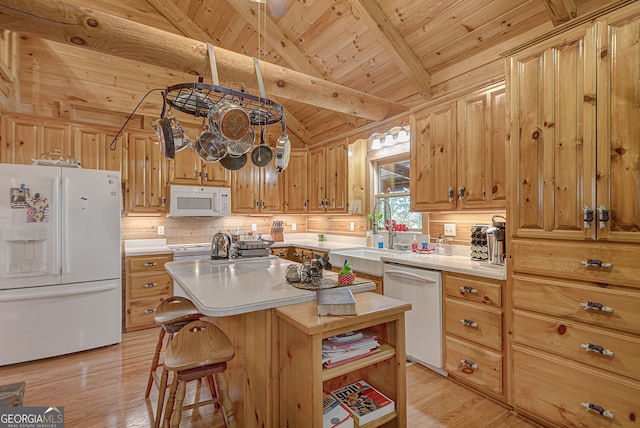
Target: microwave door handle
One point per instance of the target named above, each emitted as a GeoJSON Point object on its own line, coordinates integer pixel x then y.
{"type": "Point", "coordinates": [410, 275]}
{"type": "Point", "coordinates": [66, 263]}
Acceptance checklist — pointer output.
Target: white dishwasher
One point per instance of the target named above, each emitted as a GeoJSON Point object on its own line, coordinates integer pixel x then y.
{"type": "Point", "coordinates": [423, 323]}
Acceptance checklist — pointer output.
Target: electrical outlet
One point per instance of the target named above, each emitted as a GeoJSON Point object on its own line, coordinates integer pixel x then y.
{"type": "Point", "coordinates": [449, 230]}
{"type": "Point", "coordinates": [254, 227]}
{"type": "Point", "coordinates": [293, 226]}
{"type": "Point", "coordinates": [352, 226]}
{"type": "Point", "coordinates": [160, 230]}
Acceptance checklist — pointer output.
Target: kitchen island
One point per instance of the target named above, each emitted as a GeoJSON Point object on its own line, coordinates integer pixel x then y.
{"type": "Point", "coordinates": [260, 312]}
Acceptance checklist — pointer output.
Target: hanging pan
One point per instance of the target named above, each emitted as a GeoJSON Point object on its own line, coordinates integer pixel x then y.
{"type": "Point", "coordinates": [283, 150]}
{"type": "Point", "coordinates": [243, 145]}
{"type": "Point", "coordinates": [234, 162]}
{"type": "Point", "coordinates": [164, 132]}
{"type": "Point", "coordinates": [210, 147]}
{"type": "Point", "coordinates": [261, 155]}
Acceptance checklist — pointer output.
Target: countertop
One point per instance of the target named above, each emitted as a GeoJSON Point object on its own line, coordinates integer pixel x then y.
{"type": "Point", "coordinates": [231, 288]}
{"type": "Point", "coordinates": [457, 264]}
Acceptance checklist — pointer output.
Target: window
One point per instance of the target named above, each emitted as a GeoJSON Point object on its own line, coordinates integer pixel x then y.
{"type": "Point", "coordinates": [392, 184]}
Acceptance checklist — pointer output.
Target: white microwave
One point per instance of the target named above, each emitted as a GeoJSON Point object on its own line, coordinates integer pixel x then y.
{"type": "Point", "coordinates": [199, 201]}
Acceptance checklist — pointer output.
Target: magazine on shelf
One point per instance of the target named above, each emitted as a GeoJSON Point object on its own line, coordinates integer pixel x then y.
{"type": "Point", "coordinates": [334, 413]}
{"type": "Point", "coordinates": [360, 338]}
{"type": "Point", "coordinates": [346, 337]}
{"type": "Point", "coordinates": [329, 363]}
{"type": "Point", "coordinates": [364, 401]}
{"type": "Point", "coordinates": [336, 301]}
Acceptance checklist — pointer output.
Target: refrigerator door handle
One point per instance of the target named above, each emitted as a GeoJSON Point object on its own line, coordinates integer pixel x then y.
{"type": "Point", "coordinates": [46, 293]}
{"type": "Point", "coordinates": [66, 263]}
{"type": "Point", "coordinates": [56, 266]}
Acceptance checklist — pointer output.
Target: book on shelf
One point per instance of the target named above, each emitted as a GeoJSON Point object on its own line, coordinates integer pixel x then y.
{"type": "Point", "coordinates": [329, 362]}
{"type": "Point", "coordinates": [354, 339]}
{"type": "Point", "coordinates": [336, 301]}
{"type": "Point", "coordinates": [334, 413]}
{"type": "Point", "coordinates": [365, 403]}
{"type": "Point", "coordinates": [346, 337]}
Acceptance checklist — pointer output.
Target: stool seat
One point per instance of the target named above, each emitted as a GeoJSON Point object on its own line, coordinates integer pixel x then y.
{"type": "Point", "coordinates": [199, 350]}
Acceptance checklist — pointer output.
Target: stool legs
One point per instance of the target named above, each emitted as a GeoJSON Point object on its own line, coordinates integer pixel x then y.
{"type": "Point", "coordinates": [170, 401]}
{"type": "Point", "coordinates": [177, 412]}
{"type": "Point", "coordinates": [161, 394]}
{"type": "Point", "coordinates": [227, 408]}
{"type": "Point", "coordinates": [154, 362]}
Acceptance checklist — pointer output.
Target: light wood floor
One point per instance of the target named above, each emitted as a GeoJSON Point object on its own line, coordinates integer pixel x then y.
{"type": "Point", "coordinates": [105, 388]}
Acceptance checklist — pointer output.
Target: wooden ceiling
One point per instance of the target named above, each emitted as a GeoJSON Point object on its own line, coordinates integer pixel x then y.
{"type": "Point", "coordinates": [406, 52]}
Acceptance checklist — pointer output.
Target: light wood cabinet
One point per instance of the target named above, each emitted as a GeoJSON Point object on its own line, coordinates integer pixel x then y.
{"type": "Point", "coordinates": [26, 138]}
{"type": "Point", "coordinates": [147, 284]}
{"type": "Point", "coordinates": [474, 332]}
{"type": "Point", "coordinates": [302, 376]}
{"type": "Point", "coordinates": [328, 178]}
{"type": "Point", "coordinates": [147, 172]}
{"type": "Point", "coordinates": [458, 153]}
{"type": "Point", "coordinates": [257, 190]}
{"type": "Point", "coordinates": [296, 199]}
{"type": "Point", "coordinates": [92, 148]}
{"type": "Point", "coordinates": [187, 168]}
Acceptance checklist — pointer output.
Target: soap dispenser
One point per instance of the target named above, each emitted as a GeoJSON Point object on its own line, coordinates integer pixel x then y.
{"type": "Point", "coordinates": [414, 244]}
{"type": "Point", "coordinates": [440, 245]}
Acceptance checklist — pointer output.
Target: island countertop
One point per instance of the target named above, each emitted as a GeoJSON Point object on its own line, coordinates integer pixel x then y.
{"type": "Point", "coordinates": [227, 288]}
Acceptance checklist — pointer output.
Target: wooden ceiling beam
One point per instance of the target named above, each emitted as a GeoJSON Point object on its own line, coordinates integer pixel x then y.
{"type": "Point", "coordinates": [561, 11]}
{"type": "Point", "coordinates": [189, 28]}
{"type": "Point", "coordinates": [394, 44]}
{"type": "Point", "coordinates": [83, 27]}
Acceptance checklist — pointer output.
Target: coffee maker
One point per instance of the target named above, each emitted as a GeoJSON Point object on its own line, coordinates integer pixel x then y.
{"type": "Point", "coordinates": [496, 240]}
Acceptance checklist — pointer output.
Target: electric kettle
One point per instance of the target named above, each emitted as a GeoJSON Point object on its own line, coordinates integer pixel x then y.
{"type": "Point", "coordinates": [220, 246]}
{"type": "Point", "coordinates": [496, 240]}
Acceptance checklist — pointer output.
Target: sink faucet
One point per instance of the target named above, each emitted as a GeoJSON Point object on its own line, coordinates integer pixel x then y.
{"type": "Point", "coordinates": [387, 219]}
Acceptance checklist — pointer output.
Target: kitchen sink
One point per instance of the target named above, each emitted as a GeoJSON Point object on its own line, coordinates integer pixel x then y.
{"type": "Point", "coordinates": [365, 260]}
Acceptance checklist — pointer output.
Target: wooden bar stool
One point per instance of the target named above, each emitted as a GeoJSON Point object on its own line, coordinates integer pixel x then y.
{"type": "Point", "coordinates": [199, 350]}
{"type": "Point", "coordinates": [172, 314]}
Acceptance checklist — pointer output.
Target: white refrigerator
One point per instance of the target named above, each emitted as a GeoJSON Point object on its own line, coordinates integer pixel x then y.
{"type": "Point", "coordinates": [60, 261]}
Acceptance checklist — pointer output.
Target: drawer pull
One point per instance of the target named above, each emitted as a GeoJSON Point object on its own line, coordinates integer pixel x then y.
{"type": "Point", "coordinates": [150, 284]}
{"type": "Point", "coordinates": [149, 264]}
{"type": "Point", "coordinates": [149, 311]}
{"type": "Point", "coordinates": [595, 408]}
{"type": "Point", "coordinates": [281, 254]}
{"type": "Point", "coordinates": [467, 289]}
{"type": "Point", "coordinates": [596, 263]}
{"type": "Point", "coordinates": [596, 306]}
{"type": "Point", "coordinates": [469, 323]}
{"type": "Point", "coordinates": [469, 364]}
{"type": "Point", "coordinates": [596, 348]}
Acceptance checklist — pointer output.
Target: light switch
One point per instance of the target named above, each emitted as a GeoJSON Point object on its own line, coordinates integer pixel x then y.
{"type": "Point", "coordinates": [160, 230]}
{"type": "Point", "coordinates": [449, 230]}
{"type": "Point", "coordinates": [254, 227]}
{"type": "Point", "coordinates": [293, 226]}
{"type": "Point", "coordinates": [352, 226]}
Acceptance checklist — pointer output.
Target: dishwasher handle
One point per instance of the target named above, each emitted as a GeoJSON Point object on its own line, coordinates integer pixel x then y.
{"type": "Point", "coordinates": [410, 275]}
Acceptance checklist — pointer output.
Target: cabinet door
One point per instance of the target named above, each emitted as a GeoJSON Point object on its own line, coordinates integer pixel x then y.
{"type": "Point", "coordinates": [245, 188]}
{"type": "Point", "coordinates": [185, 168]}
{"type": "Point", "coordinates": [433, 172]}
{"type": "Point", "coordinates": [92, 147]}
{"type": "Point", "coordinates": [271, 190]}
{"type": "Point", "coordinates": [214, 174]}
{"type": "Point", "coordinates": [295, 183]}
{"type": "Point", "coordinates": [147, 174]}
{"type": "Point", "coordinates": [481, 150]}
{"type": "Point", "coordinates": [27, 138]}
{"type": "Point", "coordinates": [336, 156]}
{"type": "Point", "coordinates": [552, 132]}
{"type": "Point", "coordinates": [317, 180]}
{"type": "Point", "coordinates": [618, 178]}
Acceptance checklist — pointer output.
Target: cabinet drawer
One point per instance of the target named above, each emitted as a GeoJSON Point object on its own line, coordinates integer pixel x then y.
{"type": "Point", "coordinates": [473, 289]}
{"type": "Point", "coordinates": [282, 252]}
{"type": "Point", "coordinates": [479, 323]}
{"type": "Point", "coordinates": [141, 286]}
{"type": "Point", "coordinates": [140, 312]}
{"type": "Point", "coordinates": [568, 298]}
{"type": "Point", "coordinates": [563, 259]}
{"type": "Point", "coordinates": [569, 339]}
{"type": "Point", "coordinates": [555, 388]}
{"type": "Point", "coordinates": [147, 263]}
{"type": "Point", "coordinates": [462, 359]}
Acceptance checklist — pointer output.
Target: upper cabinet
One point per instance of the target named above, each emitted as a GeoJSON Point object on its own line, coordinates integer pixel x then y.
{"type": "Point", "coordinates": [93, 149]}
{"type": "Point", "coordinates": [574, 107]}
{"type": "Point", "coordinates": [188, 168]}
{"type": "Point", "coordinates": [458, 153]}
{"type": "Point", "coordinates": [147, 186]}
{"type": "Point", "coordinates": [257, 190]}
{"type": "Point", "coordinates": [328, 178]}
{"type": "Point", "coordinates": [296, 199]}
{"type": "Point", "coordinates": [26, 138]}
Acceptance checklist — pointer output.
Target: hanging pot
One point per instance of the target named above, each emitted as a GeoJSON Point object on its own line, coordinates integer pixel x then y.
{"type": "Point", "coordinates": [229, 120]}
{"type": "Point", "coordinates": [261, 155]}
{"type": "Point", "coordinates": [242, 146]}
{"type": "Point", "coordinates": [283, 152]}
{"type": "Point", "coordinates": [162, 128]}
{"type": "Point", "coordinates": [234, 162]}
{"type": "Point", "coordinates": [180, 139]}
{"type": "Point", "coordinates": [210, 146]}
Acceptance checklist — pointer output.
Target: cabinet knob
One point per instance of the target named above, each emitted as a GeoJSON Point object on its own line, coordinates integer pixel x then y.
{"type": "Point", "coordinates": [149, 311]}
{"type": "Point", "coordinates": [588, 216]}
{"type": "Point", "coordinates": [149, 264]}
{"type": "Point", "coordinates": [469, 323]}
{"type": "Point", "coordinates": [262, 202]}
{"type": "Point", "coordinates": [596, 263]}
{"type": "Point", "coordinates": [461, 192]}
{"type": "Point", "coordinates": [596, 307]}
{"type": "Point", "coordinates": [603, 216]}
{"type": "Point", "coordinates": [164, 201]}
{"type": "Point", "coordinates": [150, 284]}
{"type": "Point", "coordinates": [206, 175]}
{"type": "Point", "coordinates": [598, 409]}
{"type": "Point", "coordinates": [450, 194]}
{"type": "Point", "coordinates": [467, 289]}
{"type": "Point", "coordinates": [596, 348]}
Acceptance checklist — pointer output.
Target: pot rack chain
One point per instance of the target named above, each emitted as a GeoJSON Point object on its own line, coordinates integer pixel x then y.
{"type": "Point", "coordinates": [114, 144]}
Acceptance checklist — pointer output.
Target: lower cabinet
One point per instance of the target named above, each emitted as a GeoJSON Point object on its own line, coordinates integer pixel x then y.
{"type": "Point", "coordinates": [303, 377]}
{"type": "Point", "coordinates": [473, 318]}
{"type": "Point", "coordinates": [147, 284]}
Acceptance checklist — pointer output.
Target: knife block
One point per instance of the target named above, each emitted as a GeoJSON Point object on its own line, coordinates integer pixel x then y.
{"type": "Point", "coordinates": [277, 231]}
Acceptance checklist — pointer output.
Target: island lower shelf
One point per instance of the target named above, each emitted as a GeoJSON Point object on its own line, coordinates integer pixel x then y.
{"type": "Point", "coordinates": [303, 379]}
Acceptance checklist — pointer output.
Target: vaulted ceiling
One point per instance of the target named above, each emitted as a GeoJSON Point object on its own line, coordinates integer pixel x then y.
{"type": "Point", "coordinates": [404, 52]}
